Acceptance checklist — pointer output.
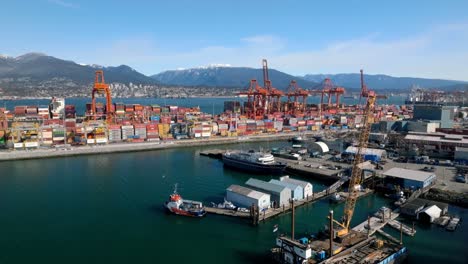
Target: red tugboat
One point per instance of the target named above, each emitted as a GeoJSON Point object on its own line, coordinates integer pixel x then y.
{"type": "Point", "coordinates": [179, 206]}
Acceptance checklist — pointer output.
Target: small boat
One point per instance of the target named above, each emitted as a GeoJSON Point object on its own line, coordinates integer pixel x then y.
{"type": "Point", "coordinates": [453, 224]}
{"type": "Point", "coordinates": [179, 206]}
{"type": "Point", "coordinates": [336, 198]}
{"type": "Point", "coordinates": [224, 205]}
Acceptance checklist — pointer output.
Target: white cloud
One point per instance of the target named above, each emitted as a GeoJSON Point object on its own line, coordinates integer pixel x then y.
{"type": "Point", "coordinates": [440, 52]}
{"type": "Point", "coordinates": [64, 3]}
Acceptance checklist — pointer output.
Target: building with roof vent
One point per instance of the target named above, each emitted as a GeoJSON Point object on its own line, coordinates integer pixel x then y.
{"type": "Point", "coordinates": [279, 195]}
{"type": "Point", "coordinates": [297, 193]}
{"type": "Point", "coordinates": [246, 197]}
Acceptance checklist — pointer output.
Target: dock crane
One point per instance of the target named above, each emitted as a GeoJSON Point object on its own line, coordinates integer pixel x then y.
{"type": "Point", "coordinates": [100, 87]}
{"type": "Point", "coordinates": [273, 99]}
{"type": "Point", "coordinates": [256, 99]}
{"type": "Point", "coordinates": [297, 99]}
{"type": "Point", "coordinates": [356, 173]}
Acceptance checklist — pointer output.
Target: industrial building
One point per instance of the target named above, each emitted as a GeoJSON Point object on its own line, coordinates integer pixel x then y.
{"type": "Point", "coordinates": [246, 197]}
{"type": "Point", "coordinates": [435, 113]}
{"type": "Point", "coordinates": [438, 141]}
{"type": "Point", "coordinates": [409, 179]}
{"type": "Point", "coordinates": [306, 186]}
{"type": "Point", "coordinates": [297, 192]}
{"type": "Point", "coordinates": [369, 153]}
{"type": "Point", "coordinates": [279, 195]}
{"type": "Point", "coordinates": [414, 207]}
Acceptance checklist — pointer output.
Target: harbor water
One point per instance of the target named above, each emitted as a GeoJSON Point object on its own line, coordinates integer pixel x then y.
{"type": "Point", "coordinates": [207, 105]}
{"type": "Point", "coordinates": [108, 209]}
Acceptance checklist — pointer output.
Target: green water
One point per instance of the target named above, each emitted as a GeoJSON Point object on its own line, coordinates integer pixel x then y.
{"type": "Point", "coordinates": [108, 209]}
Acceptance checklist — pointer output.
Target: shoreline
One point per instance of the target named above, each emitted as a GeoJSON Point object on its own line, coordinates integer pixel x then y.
{"type": "Point", "coordinates": [13, 155]}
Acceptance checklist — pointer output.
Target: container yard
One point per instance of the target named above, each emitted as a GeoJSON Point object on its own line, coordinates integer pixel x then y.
{"type": "Point", "coordinates": [37, 127]}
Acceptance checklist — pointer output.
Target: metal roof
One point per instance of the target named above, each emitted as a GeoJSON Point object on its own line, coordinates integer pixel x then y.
{"type": "Point", "coordinates": [322, 146]}
{"type": "Point", "coordinates": [246, 191]}
{"type": "Point", "coordinates": [367, 151]}
{"type": "Point", "coordinates": [265, 185]}
{"type": "Point", "coordinates": [289, 185]}
{"type": "Point", "coordinates": [299, 182]}
{"type": "Point", "coordinates": [408, 174]}
{"type": "Point", "coordinates": [432, 211]}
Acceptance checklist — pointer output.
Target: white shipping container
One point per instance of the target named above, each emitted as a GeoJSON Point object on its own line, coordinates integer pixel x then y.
{"type": "Point", "coordinates": [101, 140]}
{"type": "Point", "coordinates": [197, 135]}
{"type": "Point", "coordinates": [205, 134]}
{"type": "Point", "coordinates": [31, 144]}
{"type": "Point", "coordinates": [18, 145]}
{"type": "Point", "coordinates": [90, 141]}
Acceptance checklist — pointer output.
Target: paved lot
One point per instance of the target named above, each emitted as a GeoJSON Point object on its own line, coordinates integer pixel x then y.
{"type": "Point", "coordinates": [445, 174]}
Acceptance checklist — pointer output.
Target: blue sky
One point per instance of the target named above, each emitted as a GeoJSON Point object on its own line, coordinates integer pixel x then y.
{"type": "Point", "coordinates": [401, 38]}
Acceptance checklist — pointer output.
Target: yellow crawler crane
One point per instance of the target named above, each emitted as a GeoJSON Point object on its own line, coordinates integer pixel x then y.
{"type": "Point", "coordinates": [356, 173]}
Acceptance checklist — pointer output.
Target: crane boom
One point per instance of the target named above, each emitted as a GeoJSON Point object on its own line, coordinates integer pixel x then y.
{"type": "Point", "coordinates": [358, 159]}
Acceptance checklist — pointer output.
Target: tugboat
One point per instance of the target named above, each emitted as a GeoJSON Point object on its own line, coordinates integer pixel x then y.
{"type": "Point", "coordinates": [258, 162]}
{"type": "Point", "coordinates": [179, 206]}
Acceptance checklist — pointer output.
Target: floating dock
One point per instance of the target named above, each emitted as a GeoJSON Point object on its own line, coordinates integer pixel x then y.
{"type": "Point", "coordinates": [404, 228]}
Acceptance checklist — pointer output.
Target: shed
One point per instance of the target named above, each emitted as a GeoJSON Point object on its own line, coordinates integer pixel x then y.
{"type": "Point", "coordinates": [245, 197]}
{"type": "Point", "coordinates": [278, 194]}
{"type": "Point", "coordinates": [369, 153]}
{"type": "Point", "coordinates": [297, 192]}
{"type": "Point", "coordinates": [319, 147]}
{"type": "Point", "coordinates": [411, 179]}
{"type": "Point", "coordinates": [429, 214]}
{"type": "Point", "coordinates": [306, 186]}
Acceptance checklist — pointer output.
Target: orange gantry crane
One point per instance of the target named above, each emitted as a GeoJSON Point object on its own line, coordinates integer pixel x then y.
{"type": "Point", "coordinates": [274, 95]}
{"type": "Point", "coordinates": [256, 100]}
{"type": "Point", "coordinates": [329, 90]}
{"type": "Point", "coordinates": [101, 87]}
{"type": "Point", "coordinates": [297, 99]}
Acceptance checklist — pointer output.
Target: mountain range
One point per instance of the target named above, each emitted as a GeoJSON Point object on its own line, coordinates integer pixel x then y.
{"type": "Point", "coordinates": [37, 71]}
{"type": "Point", "coordinates": [222, 76]}
{"type": "Point", "coordinates": [40, 67]}
{"type": "Point", "coordinates": [383, 82]}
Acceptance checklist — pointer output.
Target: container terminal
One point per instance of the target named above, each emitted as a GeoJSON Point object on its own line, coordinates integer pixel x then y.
{"type": "Point", "coordinates": [374, 133]}
{"type": "Point", "coordinates": [267, 110]}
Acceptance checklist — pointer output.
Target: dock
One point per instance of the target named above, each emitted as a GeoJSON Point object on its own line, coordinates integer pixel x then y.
{"type": "Point", "coordinates": [272, 212]}
{"type": "Point", "coordinates": [304, 168]}
{"type": "Point", "coordinates": [312, 169]}
{"type": "Point", "coordinates": [227, 212]}
{"type": "Point", "coordinates": [405, 229]}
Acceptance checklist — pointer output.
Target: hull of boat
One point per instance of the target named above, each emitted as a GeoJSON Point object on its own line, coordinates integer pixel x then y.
{"type": "Point", "coordinates": [254, 167]}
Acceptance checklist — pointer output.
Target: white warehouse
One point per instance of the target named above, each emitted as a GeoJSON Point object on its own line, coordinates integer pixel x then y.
{"type": "Point", "coordinates": [245, 197]}
{"type": "Point", "coordinates": [280, 195]}
{"type": "Point", "coordinates": [297, 192]}
{"type": "Point", "coordinates": [306, 186]}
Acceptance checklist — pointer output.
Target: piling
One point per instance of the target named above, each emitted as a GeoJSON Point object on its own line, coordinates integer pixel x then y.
{"type": "Point", "coordinates": [292, 219]}
{"type": "Point", "coordinates": [401, 233]}
{"type": "Point", "coordinates": [368, 226]}
{"type": "Point", "coordinates": [331, 233]}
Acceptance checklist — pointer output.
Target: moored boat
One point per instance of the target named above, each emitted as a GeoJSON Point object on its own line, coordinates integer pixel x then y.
{"type": "Point", "coordinates": [252, 161]}
{"type": "Point", "coordinates": [177, 205]}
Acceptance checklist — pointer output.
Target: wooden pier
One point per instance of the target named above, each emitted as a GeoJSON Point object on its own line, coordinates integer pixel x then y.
{"type": "Point", "coordinates": [263, 215]}
{"type": "Point", "coordinates": [404, 228]}
{"type": "Point", "coordinates": [227, 212]}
